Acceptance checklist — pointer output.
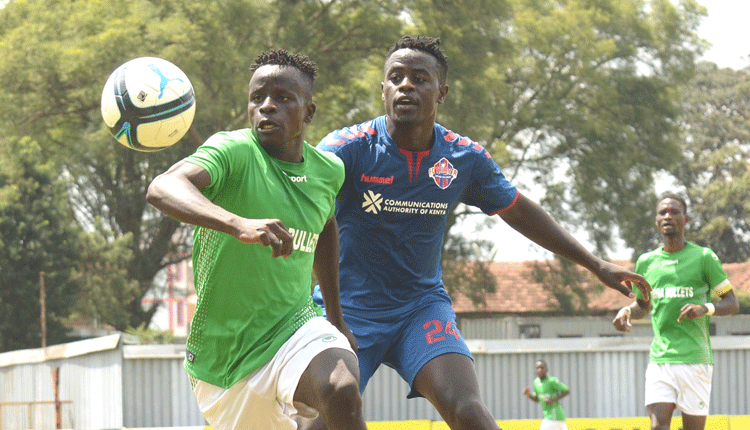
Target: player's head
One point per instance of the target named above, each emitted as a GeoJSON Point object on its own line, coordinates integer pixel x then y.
{"type": "Point", "coordinates": [414, 80]}
{"type": "Point", "coordinates": [429, 45]}
{"type": "Point", "coordinates": [281, 57]}
{"type": "Point", "coordinates": [541, 368]}
{"type": "Point", "coordinates": [280, 96]}
{"type": "Point", "coordinates": [671, 215]}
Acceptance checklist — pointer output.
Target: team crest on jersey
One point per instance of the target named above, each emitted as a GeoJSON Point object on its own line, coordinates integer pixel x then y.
{"type": "Point", "coordinates": [443, 173]}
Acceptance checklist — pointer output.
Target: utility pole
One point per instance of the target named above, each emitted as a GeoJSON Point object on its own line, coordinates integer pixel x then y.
{"type": "Point", "coordinates": [43, 301]}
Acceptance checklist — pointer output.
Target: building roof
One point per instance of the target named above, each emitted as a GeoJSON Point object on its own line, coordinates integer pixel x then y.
{"type": "Point", "coordinates": [518, 293]}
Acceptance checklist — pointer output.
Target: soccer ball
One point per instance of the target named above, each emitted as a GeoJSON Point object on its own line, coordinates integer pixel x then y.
{"type": "Point", "coordinates": [148, 104]}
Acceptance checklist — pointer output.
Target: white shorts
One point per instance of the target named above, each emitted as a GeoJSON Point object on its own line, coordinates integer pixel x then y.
{"type": "Point", "coordinates": [688, 386]}
{"type": "Point", "coordinates": [553, 425]}
{"type": "Point", "coordinates": [264, 400]}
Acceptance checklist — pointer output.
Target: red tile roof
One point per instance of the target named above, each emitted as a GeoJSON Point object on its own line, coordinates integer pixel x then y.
{"type": "Point", "coordinates": [518, 293]}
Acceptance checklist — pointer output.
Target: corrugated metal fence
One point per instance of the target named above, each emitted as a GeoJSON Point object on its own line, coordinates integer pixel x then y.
{"type": "Point", "coordinates": [112, 385]}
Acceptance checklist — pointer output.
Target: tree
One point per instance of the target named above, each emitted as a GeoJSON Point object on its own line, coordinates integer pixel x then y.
{"type": "Point", "coordinates": [38, 243]}
{"type": "Point", "coordinates": [715, 172]}
{"type": "Point", "coordinates": [53, 71]}
{"type": "Point", "coordinates": [579, 93]}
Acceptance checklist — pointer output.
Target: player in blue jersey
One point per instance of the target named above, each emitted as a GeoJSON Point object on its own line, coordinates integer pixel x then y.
{"type": "Point", "coordinates": [404, 173]}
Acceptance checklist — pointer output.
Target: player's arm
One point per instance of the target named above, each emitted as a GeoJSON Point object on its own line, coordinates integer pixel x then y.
{"type": "Point", "coordinates": [560, 395]}
{"type": "Point", "coordinates": [636, 310]}
{"type": "Point", "coordinates": [527, 392]}
{"type": "Point", "coordinates": [728, 305]}
{"type": "Point", "coordinates": [326, 268]}
{"type": "Point", "coordinates": [177, 193]}
{"type": "Point", "coordinates": [531, 220]}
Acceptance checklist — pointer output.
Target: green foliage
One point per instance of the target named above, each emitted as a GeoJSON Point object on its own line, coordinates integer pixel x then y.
{"type": "Point", "coordinates": [581, 94]}
{"type": "Point", "coordinates": [148, 336]}
{"type": "Point", "coordinates": [715, 171]}
{"type": "Point", "coordinates": [36, 235]}
{"type": "Point", "coordinates": [569, 285]}
{"type": "Point", "coordinates": [744, 300]}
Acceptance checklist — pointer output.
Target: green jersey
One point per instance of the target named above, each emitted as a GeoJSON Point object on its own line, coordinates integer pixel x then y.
{"type": "Point", "coordinates": [546, 389]}
{"type": "Point", "coordinates": [249, 304]}
{"type": "Point", "coordinates": [679, 278]}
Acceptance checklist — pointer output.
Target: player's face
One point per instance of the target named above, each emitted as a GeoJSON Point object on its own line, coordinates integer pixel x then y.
{"type": "Point", "coordinates": [670, 217]}
{"type": "Point", "coordinates": [411, 89]}
{"type": "Point", "coordinates": [279, 105]}
{"type": "Point", "coordinates": [540, 369]}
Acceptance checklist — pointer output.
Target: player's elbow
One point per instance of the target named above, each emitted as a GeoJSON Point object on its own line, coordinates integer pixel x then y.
{"type": "Point", "coordinates": [734, 306]}
{"type": "Point", "coordinates": [156, 191]}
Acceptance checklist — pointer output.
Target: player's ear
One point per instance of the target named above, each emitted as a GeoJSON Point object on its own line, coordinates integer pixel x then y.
{"type": "Point", "coordinates": [310, 112]}
{"type": "Point", "coordinates": [443, 93]}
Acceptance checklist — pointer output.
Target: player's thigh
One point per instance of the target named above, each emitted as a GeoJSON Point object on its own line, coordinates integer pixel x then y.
{"type": "Point", "coordinates": [694, 382]}
{"type": "Point", "coordinates": [661, 385]}
{"type": "Point", "coordinates": [429, 347]}
{"type": "Point", "coordinates": [241, 406]}
{"type": "Point", "coordinates": [329, 370]}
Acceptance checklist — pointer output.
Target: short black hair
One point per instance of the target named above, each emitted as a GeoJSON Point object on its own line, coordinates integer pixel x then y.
{"type": "Point", "coordinates": [282, 57]}
{"type": "Point", "coordinates": [674, 196]}
{"type": "Point", "coordinates": [430, 45]}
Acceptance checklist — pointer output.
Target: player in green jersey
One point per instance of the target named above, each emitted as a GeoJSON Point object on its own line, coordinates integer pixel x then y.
{"type": "Point", "coordinates": [259, 352]}
{"type": "Point", "coordinates": [548, 391]}
{"type": "Point", "coordinates": [683, 275]}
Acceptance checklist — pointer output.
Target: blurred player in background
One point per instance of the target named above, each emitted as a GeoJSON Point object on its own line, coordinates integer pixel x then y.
{"type": "Point", "coordinates": [404, 173]}
{"type": "Point", "coordinates": [683, 276]}
{"type": "Point", "coordinates": [548, 391]}
{"type": "Point", "coordinates": [259, 351]}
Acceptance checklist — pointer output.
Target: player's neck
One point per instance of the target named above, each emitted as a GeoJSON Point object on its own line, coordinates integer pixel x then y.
{"type": "Point", "coordinates": [415, 137]}
{"type": "Point", "coordinates": [290, 152]}
{"type": "Point", "coordinates": [674, 244]}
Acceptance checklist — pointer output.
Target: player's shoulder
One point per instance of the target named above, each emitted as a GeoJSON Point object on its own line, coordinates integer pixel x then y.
{"type": "Point", "coordinates": [457, 142]}
{"type": "Point", "coordinates": [324, 157]}
{"type": "Point", "coordinates": [703, 251]}
{"type": "Point", "coordinates": [348, 136]}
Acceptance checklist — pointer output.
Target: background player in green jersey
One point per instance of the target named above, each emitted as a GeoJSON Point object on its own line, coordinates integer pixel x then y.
{"type": "Point", "coordinates": [548, 391]}
{"type": "Point", "coordinates": [259, 352]}
{"type": "Point", "coordinates": [683, 275]}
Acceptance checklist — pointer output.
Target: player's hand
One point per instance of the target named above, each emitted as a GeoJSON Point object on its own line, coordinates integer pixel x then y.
{"type": "Point", "coordinates": [691, 311]}
{"type": "Point", "coordinates": [527, 392]}
{"type": "Point", "coordinates": [268, 232]}
{"type": "Point", "coordinates": [622, 280]}
{"type": "Point", "coordinates": [550, 402]}
{"type": "Point", "coordinates": [622, 321]}
{"type": "Point", "coordinates": [344, 329]}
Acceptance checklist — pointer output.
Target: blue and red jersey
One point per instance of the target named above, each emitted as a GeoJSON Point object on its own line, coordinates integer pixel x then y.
{"type": "Point", "coordinates": [393, 206]}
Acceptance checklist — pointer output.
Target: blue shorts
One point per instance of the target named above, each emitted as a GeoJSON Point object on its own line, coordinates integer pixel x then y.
{"type": "Point", "coordinates": [406, 344]}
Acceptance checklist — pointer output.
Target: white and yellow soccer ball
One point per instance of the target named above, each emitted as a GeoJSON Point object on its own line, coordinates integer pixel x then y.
{"type": "Point", "coordinates": [148, 104]}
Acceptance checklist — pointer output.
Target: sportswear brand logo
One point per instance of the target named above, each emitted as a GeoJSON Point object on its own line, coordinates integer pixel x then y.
{"type": "Point", "coordinates": [372, 202]}
{"type": "Point", "coordinates": [329, 339]}
{"type": "Point", "coordinates": [443, 173]}
{"type": "Point", "coordinates": [376, 179]}
{"type": "Point", "coordinates": [189, 356]}
{"type": "Point", "coordinates": [298, 178]}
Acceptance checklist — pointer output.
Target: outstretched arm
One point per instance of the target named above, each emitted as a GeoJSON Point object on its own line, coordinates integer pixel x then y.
{"type": "Point", "coordinates": [326, 267]}
{"type": "Point", "coordinates": [531, 220]}
{"type": "Point", "coordinates": [177, 194]}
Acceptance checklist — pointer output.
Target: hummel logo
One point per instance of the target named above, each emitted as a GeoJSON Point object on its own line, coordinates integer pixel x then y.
{"type": "Point", "coordinates": [372, 202]}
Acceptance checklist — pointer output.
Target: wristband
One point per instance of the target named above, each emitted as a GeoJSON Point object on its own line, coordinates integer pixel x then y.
{"type": "Point", "coordinates": [628, 310]}
{"type": "Point", "coordinates": [711, 308]}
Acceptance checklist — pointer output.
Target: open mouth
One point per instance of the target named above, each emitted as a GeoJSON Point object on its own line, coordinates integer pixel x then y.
{"type": "Point", "coordinates": [266, 125]}
{"type": "Point", "coordinates": [405, 101]}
